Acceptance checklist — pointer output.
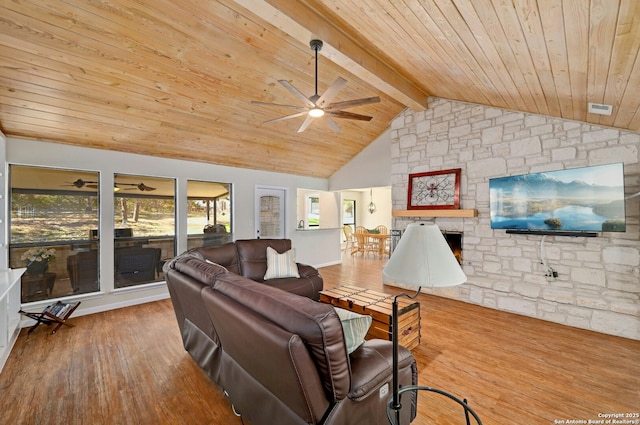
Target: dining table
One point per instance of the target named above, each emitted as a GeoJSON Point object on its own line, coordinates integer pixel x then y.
{"type": "Point", "coordinates": [381, 238]}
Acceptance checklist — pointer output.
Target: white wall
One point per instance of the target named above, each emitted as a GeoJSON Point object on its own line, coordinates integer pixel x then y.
{"type": "Point", "coordinates": [382, 214]}
{"type": "Point", "coordinates": [598, 286]}
{"type": "Point", "coordinates": [370, 168]}
{"type": "Point", "coordinates": [315, 248]}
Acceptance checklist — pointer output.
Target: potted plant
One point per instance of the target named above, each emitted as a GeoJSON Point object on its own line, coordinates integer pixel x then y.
{"type": "Point", "coordinates": [37, 260]}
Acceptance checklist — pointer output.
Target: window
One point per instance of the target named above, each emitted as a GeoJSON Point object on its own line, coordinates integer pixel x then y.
{"type": "Point", "coordinates": [209, 213]}
{"type": "Point", "coordinates": [349, 213]}
{"type": "Point", "coordinates": [53, 214]}
{"type": "Point", "coordinates": [145, 228]}
{"type": "Point", "coordinates": [313, 211]}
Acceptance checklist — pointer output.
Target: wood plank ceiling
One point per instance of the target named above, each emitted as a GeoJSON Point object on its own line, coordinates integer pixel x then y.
{"type": "Point", "coordinates": [176, 79]}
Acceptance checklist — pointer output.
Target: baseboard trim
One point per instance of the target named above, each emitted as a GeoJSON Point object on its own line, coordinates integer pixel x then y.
{"type": "Point", "coordinates": [121, 304]}
{"type": "Point", "coordinates": [330, 263]}
{"type": "Point", "coordinates": [106, 307]}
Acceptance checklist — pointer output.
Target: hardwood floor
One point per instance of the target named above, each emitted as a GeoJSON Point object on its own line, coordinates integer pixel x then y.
{"type": "Point", "coordinates": [128, 366]}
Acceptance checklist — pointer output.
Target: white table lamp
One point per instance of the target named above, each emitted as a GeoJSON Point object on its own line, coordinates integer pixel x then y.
{"type": "Point", "coordinates": [422, 259]}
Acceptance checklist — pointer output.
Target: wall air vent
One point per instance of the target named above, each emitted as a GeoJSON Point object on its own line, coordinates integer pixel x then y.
{"type": "Point", "coordinates": [599, 108]}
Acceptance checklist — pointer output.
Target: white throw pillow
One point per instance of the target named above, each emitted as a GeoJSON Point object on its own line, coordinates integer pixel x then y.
{"type": "Point", "coordinates": [281, 265]}
{"type": "Point", "coordinates": [354, 327]}
{"type": "Point", "coordinates": [206, 260]}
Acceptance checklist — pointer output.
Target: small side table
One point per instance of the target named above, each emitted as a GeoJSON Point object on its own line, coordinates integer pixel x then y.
{"type": "Point", "coordinates": [37, 287]}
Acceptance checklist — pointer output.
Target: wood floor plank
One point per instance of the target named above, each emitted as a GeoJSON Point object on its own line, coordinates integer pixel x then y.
{"type": "Point", "coordinates": [127, 366]}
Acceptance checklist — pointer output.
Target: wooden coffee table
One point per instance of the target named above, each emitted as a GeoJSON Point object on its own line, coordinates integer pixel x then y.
{"type": "Point", "coordinates": [379, 306]}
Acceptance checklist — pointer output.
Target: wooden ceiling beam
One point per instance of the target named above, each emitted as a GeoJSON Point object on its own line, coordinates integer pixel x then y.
{"type": "Point", "coordinates": [303, 23]}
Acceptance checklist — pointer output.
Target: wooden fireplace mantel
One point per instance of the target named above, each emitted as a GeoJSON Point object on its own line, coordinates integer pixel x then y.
{"type": "Point", "coordinates": [455, 213]}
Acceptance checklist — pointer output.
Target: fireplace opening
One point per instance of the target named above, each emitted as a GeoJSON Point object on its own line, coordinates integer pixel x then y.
{"type": "Point", "coordinates": [454, 239]}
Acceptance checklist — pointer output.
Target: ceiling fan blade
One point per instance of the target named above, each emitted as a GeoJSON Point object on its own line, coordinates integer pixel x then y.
{"type": "Point", "coordinates": [331, 92]}
{"type": "Point", "coordinates": [305, 124]}
{"type": "Point", "coordinates": [297, 93]}
{"type": "Point", "coordinates": [287, 117]}
{"type": "Point", "coordinates": [331, 123]}
{"type": "Point", "coordinates": [143, 187]}
{"type": "Point", "coordinates": [352, 103]}
{"type": "Point", "coordinates": [349, 115]}
{"type": "Point", "coordinates": [299, 108]}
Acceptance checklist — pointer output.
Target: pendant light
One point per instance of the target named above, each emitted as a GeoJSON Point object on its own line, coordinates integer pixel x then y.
{"type": "Point", "coordinates": [372, 206]}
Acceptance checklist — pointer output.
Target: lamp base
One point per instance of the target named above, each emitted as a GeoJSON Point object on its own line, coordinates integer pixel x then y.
{"type": "Point", "coordinates": [394, 405]}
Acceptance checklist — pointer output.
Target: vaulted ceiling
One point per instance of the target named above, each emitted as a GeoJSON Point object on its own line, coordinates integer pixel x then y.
{"type": "Point", "coordinates": [176, 78]}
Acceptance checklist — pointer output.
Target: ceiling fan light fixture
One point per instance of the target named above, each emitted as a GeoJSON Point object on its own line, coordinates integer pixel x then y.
{"type": "Point", "coordinates": [316, 112]}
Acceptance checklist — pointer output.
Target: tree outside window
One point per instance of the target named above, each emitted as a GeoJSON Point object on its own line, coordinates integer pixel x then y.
{"type": "Point", "coordinates": [145, 228]}
{"type": "Point", "coordinates": [54, 214]}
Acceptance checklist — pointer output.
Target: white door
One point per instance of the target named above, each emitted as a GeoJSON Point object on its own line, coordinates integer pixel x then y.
{"type": "Point", "coordinates": [270, 212]}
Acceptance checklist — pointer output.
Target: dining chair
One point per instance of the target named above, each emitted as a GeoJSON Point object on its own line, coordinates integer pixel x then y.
{"type": "Point", "coordinates": [365, 244]}
{"type": "Point", "coordinates": [359, 234]}
{"type": "Point", "coordinates": [382, 229]}
{"type": "Point", "coordinates": [348, 237]}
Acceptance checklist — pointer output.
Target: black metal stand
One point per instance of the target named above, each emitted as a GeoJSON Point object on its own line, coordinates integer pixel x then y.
{"type": "Point", "coordinates": [467, 410]}
{"type": "Point", "coordinates": [394, 404]}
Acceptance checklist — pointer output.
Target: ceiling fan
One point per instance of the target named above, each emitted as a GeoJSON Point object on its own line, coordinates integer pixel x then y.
{"type": "Point", "coordinates": [94, 185]}
{"type": "Point", "coordinates": [140, 186]}
{"type": "Point", "coordinates": [82, 183]}
{"type": "Point", "coordinates": [318, 106]}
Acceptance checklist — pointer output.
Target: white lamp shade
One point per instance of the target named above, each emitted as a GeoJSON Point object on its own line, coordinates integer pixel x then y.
{"type": "Point", "coordinates": [423, 258]}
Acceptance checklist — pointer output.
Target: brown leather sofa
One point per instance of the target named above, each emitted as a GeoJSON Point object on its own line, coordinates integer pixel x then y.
{"type": "Point", "coordinates": [281, 357]}
{"type": "Point", "coordinates": [248, 258]}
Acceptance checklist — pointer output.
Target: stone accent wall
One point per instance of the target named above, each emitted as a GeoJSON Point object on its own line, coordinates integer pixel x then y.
{"type": "Point", "coordinates": [598, 283]}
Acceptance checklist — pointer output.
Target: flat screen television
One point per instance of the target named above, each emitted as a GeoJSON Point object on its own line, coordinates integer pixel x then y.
{"type": "Point", "coordinates": [587, 199]}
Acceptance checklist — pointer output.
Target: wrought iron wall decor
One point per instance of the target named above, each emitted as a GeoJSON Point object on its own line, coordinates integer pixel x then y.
{"type": "Point", "coordinates": [434, 190]}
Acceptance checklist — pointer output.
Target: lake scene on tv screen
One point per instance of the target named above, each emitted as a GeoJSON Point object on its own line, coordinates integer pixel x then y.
{"type": "Point", "coordinates": [587, 199]}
